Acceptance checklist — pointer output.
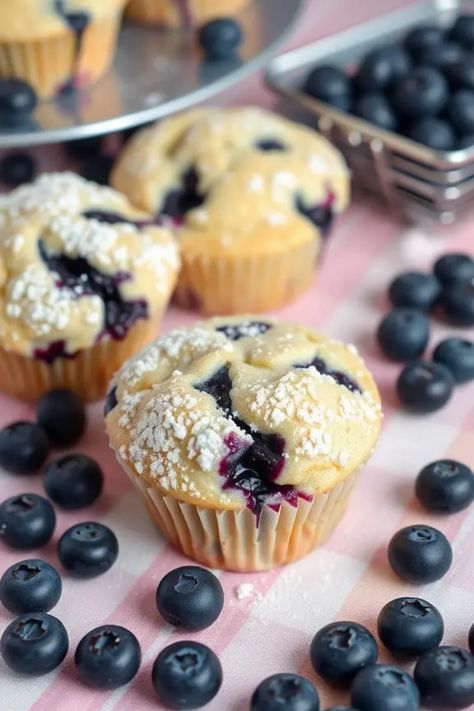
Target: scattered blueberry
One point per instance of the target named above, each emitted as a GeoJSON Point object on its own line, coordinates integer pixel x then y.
{"type": "Point", "coordinates": [415, 290]}
{"type": "Point", "coordinates": [85, 147]}
{"type": "Point", "coordinates": [422, 37]}
{"type": "Point", "coordinates": [445, 678]}
{"type": "Point", "coordinates": [471, 638]}
{"type": "Point", "coordinates": [108, 657]}
{"type": "Point", "coordinates": [424, 387]}
{"type": "Point", "coordinates": [461, 111]}
{"type": "Point", "coordinates": [329, 84]}
{"type": "Point", "coordinates": [463, 31]}
{"type": "Point", "coordinates": [383, 686]}
{"type": "Point", "coordinates": [30, 586]}
{"type": "Point", "coordinates": [220, 39]}
{"type": "Point", "coordinates": [26, 521]}
{"type": "Point", "coordinates": [34, 644]}
{"type": "Point", "coordinates": [465, 142]}
{"type": "Point", "coordinates": [403, 334]}
{"type": "Point", "coordinates": [73, 480]}
{"type": "Point", "coordinates": [423, 92]}
{"type": "Point", "coordinates": [190, 597]}
{"type": "Point", "coordinates": [441, 55]}
{"type": "Point", "coordinates": [434, 133]}
{"type": "Point", "coordinates": [456, 354]}
{"type": "Point", "coordinates": [16, 169]}
{"type": "Point", "coordinates": [24, 447]}
{"type": "Point", "coordinates": [381, 67]}
{"type": "Point", "coordinates": [457, 303]}
{"type": "Point", "coordinates": [376, 109]}
{"type": "Point", "coordinates": [17, 101]}
{"type": "Point", "coordinates": [288, 692]}
{"type": "Point", "coordinates": [339, 650]}
{"type": "Point", "coordinates": [186, 675]}
{"type": "Point", "coordinates": [88, 549]}
{"type": "Point", "coordinates": [445, 486]}
{"type": "Point", "coordinates": [454, 267]}
{"type": "Point", "coordinates": [97, 168]}
{"type": "Point", "coordinates": [409, 626]}
{"type": "Point", "coordinates": [420, 554]}
{"type": "Point", "coordinates": [62, 415]}
{"type": "Point", "coordinates": [461, 74]}
{"type": "Point", "coordinates": [342, 708]}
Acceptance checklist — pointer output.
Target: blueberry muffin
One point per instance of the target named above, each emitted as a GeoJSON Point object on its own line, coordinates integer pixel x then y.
{"type": "Point", "coordinates": [56, 44]}
{"type": "Point", "coordinates": [84, 278]}
{"type": "Point", "coordinates": [250, 194]}
{"type": "Point", "coordinates": [244, 437]}
{"type": "Point", "coordinates": [181, 13]}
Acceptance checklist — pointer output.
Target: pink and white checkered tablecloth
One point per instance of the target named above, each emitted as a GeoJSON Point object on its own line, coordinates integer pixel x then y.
{"type": "Point", "coordinates": [348, 578]}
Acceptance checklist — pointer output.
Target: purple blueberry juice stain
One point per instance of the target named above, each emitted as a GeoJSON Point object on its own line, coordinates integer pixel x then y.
{"type": "Point", "coordinates": [340, 378]}
{"type": "Point", "coordinates": [56, 349]}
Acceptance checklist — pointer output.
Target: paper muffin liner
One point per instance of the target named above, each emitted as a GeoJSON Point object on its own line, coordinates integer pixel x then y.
{"type": "Point", "coordinates": [245, 284]}
{"type": "Point", "coordinates": [232, 539]}
{"type": "Point", "coordinates": [181, 13]}
{"type": "Point", "coordinates": [51, 63]}
{"type": "Point", "coordinates": [88, 373]}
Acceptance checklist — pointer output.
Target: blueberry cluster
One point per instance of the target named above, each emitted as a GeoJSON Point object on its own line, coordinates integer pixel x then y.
{"type": "Point", "coordinates": [403, 334]}
{"type": "Point", "coordinates": [421, 87]}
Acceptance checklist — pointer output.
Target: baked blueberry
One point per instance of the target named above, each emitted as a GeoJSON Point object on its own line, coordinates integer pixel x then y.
{"type": "Point", "coordinates": [62, 415]}
{"type": "Point", "coordinates": [341, 649]}
{"type": "Point", "coordinates": [445, 678]}
{"type": "Point", "coordinates": [454, 267]}
{"type": "Point", "coordinates": [376, 109]}
{"type": "Point", "coordinates": [420, 554]}
{"type": "Point", "coordinates": [415, 290]}
{"type": "Point", "coordinates": [461, 74]}
{"type": "Point", "coordinates": [381, 67]}
{"type": "Point", "coordinates": [247, 329]}
{"type": "Point", "coordinates": [30, 586]}
{"type": "Point", "coordinates": [97, 168]}
{"type": "Point", "coordinates": [290, 692]}
{"type": "Point", "coordinates": [403, 333]}
{"type": "Point", "coordinates": [434, 133]}
{"type": "Point", "coordinates": [445, 486]}
{"type": "Point", "coordinates": [16, 169]}
{"type": "Point", "coordinates": [424, 387]}
{"type": "Point", "coordinates": [384, 686]}
{"type": "Point", "coordinates": [456, 354]}
{"type": "Point", "coordinates": [423, 92]}
{"type": "Point", "coordinates": [220, 39]}
{"type": "Point", "coordinates": [34, 644]}
{"type": "Point", "coordinates": [26, 521]}
{"type": "Point", "coordinates": [186, 675]}
{"type": "Point", "coordinates": [18, 100]}
{"type": "Point", "coordinates": [409, 626]}
{"type": "Point", "coordinates": [271, 145]}
{"type": "Point", "coordinates": [463, 31]}
{"type": "Point", "coordinates": [441, 55]}
{"type": "Point", "coordinates": [88, 549]}
{"type": "Point", "coordinates": [471, 638]}
{"type": "Point", "coordinates": [73, 481]}
{"type": "Point", "coordinates": [110, 401]}
{"type": "Point", "coordinates": [190, 597]}
{"type": "Point", "coordinates": [179, 201]}
{"type": "Point", "coordinates": [457, 303]}
{"type": "Point", "coordinates": [423, 36]}
{"type": "Point", "coordinates": [461, 111]}
{"type": "Point", "coordinates": [24, 447]}
{"type": "Point", "coordinates": [108, 657]}
{"type": "Point", "coordinates": [329, 84]}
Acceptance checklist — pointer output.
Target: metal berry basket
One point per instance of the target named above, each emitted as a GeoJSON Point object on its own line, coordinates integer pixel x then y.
{"type": "Point", "coordinates": [416, 181]}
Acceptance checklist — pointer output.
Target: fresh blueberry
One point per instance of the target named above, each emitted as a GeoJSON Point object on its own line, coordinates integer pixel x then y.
{"type": "Point", "coordinates": [423, 92]}
{"type": "Point", "coordinates": [88, 549]}
{"type": "Point", "coordinates": [463, 31]}
{"type": "Point", "coordinates": [329, 84]}
{"type": "Point", "coordinates": [108, 657]}
{"type": "Point", "coordinates": [26, 521]}
{"type": "Point", "coordinates": [190, 597]}
{"type": "Point", "coordinates": [403, 334]}
{"type": "Point", "coordinates": [73, 480]}
{"type": "Point", "coordinates": [30, 586]}
{"type": "Point", "coordinates": [220, 39]}
{"type": "Point", "coordinates": [421, 37]}
{"type": "Point", "coordinates": [445, 678]}
{"type": "Point", "coordinates": [445, 486]}
{"type": "Point", "coordinates": [409, 626]}
{"type": "Point", "coordinates": [383, 686]}
{"type": "Point", "coordinates": [420, 554]}
{"type": "Point", "coordinates": [16, 169]}
{"type": "Point", "coordinates": [461, 74]}
{"type": "Point", "coordinates": [62, 415]}
{"type": "Point", "coordinates": [465, 142]}
{"type": "Point", "coordinates": [17, 101]}
{"type": "Point", "coordinates": [454, 267]}
{"type": "Point", "coordinates": [415, 290]}
{"type": "Point", "coordinates": [456, 354]}
{"type": "Point", "coordinates": [24, 447]}
{"type": "Point", "coordinates": [34, 644]}
{"type": "Point", "coordinates": [441, 55]}
{"type": "Point", "coordinates": [85, 147]}
{"type": "Point", "coordinates": [186, 675]}
{"type": "Point", "coordinates": [376, 109]}
{"type": "Point", "coordinates": [471, 638]}
{"type": "Point", "coordinates": [339, 650]}
{"type": "Point", "coordinates": [434, 133]}
{"type": "Point", "coordinates": [97, 168]}
{"type": "Point", "coordinates": [424, 387]}
{"type": "Point", "coordinates": [288, 692]}
{"type": "Point", "coordinates": [381, 67]}
{"type": "Point", "coordinates": [461, 111]}
{"type": "Point", "coordinates": [457, 303]}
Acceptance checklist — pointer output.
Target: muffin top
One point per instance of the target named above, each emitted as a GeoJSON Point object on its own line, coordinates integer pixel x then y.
{"type": "Point", "coordinates": [243, 411]}
{"type": "Point", "coordinates": [77, 264]}
{"type": "Point", "coordinates": [235, 179]}
{"type": "Point", "coordinates": [28, 19]}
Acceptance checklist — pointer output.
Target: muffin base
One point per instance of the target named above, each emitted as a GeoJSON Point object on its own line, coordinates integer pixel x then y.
{"type": "Point", "coordinates": [232, 540]}
{"type": "Point", "coordinates": [88, 373]}
{"type": "Point", "coordinates": [180, 13]}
